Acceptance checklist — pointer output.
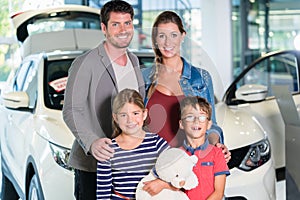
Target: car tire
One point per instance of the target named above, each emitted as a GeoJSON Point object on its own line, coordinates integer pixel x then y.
{"type": "Point", "coordinates": [8, 190]}
{"type": "Point", "coordinates": [35, 190]}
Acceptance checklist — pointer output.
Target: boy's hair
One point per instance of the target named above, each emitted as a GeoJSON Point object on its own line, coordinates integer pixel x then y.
{"type": "Point", "coordinates": [193, 101]}
{"type": "Point", "coordinates": [115, 6]}
{"type": "Point", "coordinates": [123, 97]}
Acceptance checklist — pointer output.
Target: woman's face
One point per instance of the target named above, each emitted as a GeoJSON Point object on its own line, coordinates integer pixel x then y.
{"type": "Point", "coordinates": [169, 39]}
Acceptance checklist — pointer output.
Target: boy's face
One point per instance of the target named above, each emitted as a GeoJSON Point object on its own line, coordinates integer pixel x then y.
{"type": "Point", "coordinates": [194, 122]}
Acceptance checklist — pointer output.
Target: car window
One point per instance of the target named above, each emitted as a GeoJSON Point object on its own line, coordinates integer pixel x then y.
{"type": "Point", "coordinates": [21, 74]}
{"type": "Point", "coordinates": [56, 73]}
{"type": "Point", "coordinates": [145, 61]}
{"type": "Point", "coordinates": [276, 70]}
{"type": "Point", "coordinates": [62, 21]}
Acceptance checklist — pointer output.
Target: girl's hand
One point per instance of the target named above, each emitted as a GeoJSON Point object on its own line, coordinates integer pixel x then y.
{"type": "Point", "coordinates": [156, 186]}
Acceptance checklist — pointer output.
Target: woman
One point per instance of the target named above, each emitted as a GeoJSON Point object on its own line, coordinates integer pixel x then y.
{"type": "Point", "coordinates": [171, 79]}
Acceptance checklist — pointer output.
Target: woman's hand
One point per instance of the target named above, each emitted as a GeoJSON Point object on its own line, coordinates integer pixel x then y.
{"type": "Point", "coordinates": [225, 151]}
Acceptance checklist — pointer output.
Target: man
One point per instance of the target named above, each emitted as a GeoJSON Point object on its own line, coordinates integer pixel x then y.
{"type": "Point", "coordinates": [94, 79]}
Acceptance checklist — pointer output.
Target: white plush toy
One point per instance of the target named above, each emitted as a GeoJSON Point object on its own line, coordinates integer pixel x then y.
{"type": "Point", "coordinates": [173, 166]}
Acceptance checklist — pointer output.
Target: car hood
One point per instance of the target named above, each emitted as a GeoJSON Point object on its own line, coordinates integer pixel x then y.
{"type": "Point", "coordinates": [52, 127]}
{"type": "Point", "coordinates": [240, 128]}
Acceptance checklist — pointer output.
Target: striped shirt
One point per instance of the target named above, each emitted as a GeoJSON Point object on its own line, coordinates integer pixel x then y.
{"type": "Point", "coordinates": [118, 177]}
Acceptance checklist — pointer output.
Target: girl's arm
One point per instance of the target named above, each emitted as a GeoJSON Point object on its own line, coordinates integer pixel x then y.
{"type": "Point", "coordinates": [104, 181]}
{"type": "Point", "coordinates": [156, 186]}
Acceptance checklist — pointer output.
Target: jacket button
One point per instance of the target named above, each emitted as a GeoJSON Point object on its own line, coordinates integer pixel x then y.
{"type": "Point", "coordinates": [184, 82]}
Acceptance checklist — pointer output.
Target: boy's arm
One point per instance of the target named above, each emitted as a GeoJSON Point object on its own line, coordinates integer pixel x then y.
{"type": "Point", "coordinates": [219, 188]}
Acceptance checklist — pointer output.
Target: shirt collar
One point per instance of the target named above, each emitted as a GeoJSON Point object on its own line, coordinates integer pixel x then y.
{"type": "Point", "coordinates": [192, 150]}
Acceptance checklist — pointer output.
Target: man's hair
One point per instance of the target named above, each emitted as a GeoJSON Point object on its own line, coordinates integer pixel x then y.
{"type": "Point", "coordinates": [115, 6]}
{"type": "Point", "coordinates": [193, 101]}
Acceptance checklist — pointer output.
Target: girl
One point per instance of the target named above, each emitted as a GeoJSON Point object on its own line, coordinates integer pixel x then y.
{"type": "Point", "coordinates": [136, 151]}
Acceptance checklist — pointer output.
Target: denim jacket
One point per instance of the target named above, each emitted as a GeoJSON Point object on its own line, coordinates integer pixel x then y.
{"type": "Point", "coordinates": [194, 82]}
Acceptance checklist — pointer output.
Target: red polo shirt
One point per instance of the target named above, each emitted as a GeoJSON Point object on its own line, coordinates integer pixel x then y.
{"type": "Point", "coordinates": [211, 163]}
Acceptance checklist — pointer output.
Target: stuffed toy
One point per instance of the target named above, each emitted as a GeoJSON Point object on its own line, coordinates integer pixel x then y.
{"type": "Point", "coordinates": [175, 167]}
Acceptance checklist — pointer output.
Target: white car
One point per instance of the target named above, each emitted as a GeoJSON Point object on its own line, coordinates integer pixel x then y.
{"type": "Point", "coordinates": [268, 90]}
{"type": "Point", "coordinates": [35, 142]}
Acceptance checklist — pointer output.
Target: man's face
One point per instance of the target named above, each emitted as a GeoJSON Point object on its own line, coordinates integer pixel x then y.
{"type": "Point", "coordinates": [119, 30]}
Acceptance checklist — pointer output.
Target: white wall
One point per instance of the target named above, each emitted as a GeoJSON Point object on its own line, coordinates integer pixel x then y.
{"type": "Point", "coordinates": [217, 42]}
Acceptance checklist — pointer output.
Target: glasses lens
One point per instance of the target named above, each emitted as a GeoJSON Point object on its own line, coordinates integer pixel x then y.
{"type": "Point", "coordinates": [191, 118]}
{"type": "Point", "coordinates": [202, 118]}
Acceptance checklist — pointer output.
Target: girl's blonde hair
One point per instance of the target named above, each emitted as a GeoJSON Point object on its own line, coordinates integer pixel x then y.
{"type": "Point", "coordinates": [123, 97]}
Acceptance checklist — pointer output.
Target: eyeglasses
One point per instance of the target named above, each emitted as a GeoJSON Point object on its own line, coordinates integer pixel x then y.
{"type": "Point", "coordinates": [192, 118]}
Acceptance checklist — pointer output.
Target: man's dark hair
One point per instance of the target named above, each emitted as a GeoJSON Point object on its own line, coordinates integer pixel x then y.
{"type": "Point", "coordinates": [115, 6]}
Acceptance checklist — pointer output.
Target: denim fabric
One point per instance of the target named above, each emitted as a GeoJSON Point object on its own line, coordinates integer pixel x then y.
{"type": "Point", "coordinates": [194, 81]}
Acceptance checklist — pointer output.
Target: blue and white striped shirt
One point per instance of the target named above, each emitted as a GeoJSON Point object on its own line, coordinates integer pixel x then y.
{"type": "Point", "coordinates": [118, 177]}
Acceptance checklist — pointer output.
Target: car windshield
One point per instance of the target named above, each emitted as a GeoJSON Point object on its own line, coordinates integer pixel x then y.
{"type": "Point", "coordinates": [56, 74]}
{"type": "Point", "coordinates": [276, 70]}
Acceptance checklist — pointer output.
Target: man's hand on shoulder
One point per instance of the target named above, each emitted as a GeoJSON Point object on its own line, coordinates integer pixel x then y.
{"type": "Point", "coordinates": [101, 150]}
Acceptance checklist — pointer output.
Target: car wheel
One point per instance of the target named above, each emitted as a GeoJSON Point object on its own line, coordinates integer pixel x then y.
{"type": "Point", "coordinates": [8, 190]}
{"type": "Point", "coordinates": [35, 190]}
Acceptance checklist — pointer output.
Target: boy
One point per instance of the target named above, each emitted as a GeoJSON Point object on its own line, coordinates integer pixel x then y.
{"type": "Point", "coordinates": [211, 168]}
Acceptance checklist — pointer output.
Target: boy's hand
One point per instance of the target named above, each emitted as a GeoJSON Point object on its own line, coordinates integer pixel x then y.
{"type": "Point", "coordinates": [225, 150]}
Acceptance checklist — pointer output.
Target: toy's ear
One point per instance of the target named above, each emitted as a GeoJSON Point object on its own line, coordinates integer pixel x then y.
{"type": "Point", "coordinates": [194, 159]}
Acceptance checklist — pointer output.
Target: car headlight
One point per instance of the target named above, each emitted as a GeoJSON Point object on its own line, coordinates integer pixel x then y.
{"type": "Point", "coordinates": [61, 155]}
{"type": "Point", "coordinates": [258, 154]}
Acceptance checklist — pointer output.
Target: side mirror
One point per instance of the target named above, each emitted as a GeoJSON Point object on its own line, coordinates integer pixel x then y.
{"type": "Point", "coordinates": [15, 100]}
{"type": "Point", "coordinates": [252, 92]}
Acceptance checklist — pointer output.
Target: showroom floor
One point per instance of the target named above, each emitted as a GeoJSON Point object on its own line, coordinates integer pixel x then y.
{"type": "Point", "coordinates": [280, 189]}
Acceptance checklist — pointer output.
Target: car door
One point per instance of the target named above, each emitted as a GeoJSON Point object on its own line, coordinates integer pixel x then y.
{"type": "Point", "coordinates": [19, 121]}
{"type": "Point", "coordinates": [279, 68]}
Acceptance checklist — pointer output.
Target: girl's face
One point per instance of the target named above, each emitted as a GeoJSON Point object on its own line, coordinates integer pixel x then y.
{"type": "Point", "coordinates": [194, 122]}
{"type": "Point", "coordinates": [169, 39]}
{"type": "Point", "coordinates": [130, 119]}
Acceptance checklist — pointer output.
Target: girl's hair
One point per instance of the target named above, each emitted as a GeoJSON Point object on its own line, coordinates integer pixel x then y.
{"type": "Point", "coordinates": [123, 97]}
{"type": "Point", "coordinates": [115, 6]}
{"type": "Point", "coordinates": [194, 101]}
{"type": "Point", "coordinates": [163, 18]}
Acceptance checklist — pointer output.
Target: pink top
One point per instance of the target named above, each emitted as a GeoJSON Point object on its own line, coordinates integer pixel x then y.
{"type": "Point", "coordinates": [163, 117]}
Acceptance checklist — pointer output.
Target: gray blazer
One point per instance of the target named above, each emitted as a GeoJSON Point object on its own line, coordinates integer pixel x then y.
{"type": "Point", "coordinates": [87, 105]}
